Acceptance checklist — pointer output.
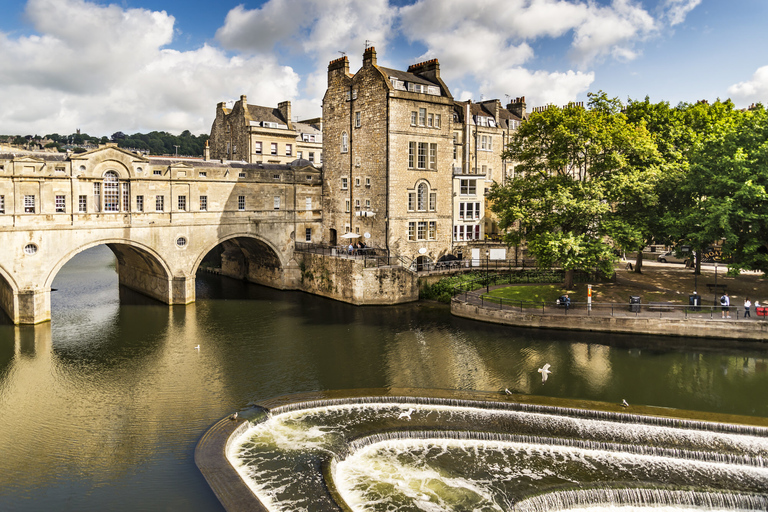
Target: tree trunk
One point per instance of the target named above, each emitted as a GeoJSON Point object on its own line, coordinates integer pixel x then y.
{"type": "Point", "coordinates": [568, 279]}
{"type": "Point", "coordinates": [639, 262]}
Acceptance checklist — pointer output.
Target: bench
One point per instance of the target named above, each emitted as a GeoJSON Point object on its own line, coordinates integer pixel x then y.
{"type": "Point", "coordinates": [661, 306]}
{"type": "Point", "coordinates": [761, 311]}
{"type": "Point", "coordinates": [717, 287]}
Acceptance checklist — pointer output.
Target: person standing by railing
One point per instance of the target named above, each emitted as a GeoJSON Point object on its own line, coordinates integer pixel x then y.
{"type": "Point", "coordinates": [747, 305]}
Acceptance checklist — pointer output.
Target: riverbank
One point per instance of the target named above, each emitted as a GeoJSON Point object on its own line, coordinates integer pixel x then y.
{"type": "Point", "coordinates": [664, 291]}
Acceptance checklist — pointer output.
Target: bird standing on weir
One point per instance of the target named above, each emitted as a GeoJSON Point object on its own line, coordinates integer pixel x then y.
{"type": "Point", "coordinates": [406, 414]}
{"type": "Point", "coordinates": [544, 371]}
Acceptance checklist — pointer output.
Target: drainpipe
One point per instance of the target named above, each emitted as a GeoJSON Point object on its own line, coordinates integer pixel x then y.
{"type": "Point", "coordinates": [386, 173]}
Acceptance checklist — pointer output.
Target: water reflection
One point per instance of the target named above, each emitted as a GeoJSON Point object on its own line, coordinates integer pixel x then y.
{"type": "Point", "coordinates": [101, 408]}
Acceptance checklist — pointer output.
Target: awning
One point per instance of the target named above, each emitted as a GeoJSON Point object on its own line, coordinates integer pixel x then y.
{"type": "Point", "coordinates": [350, 235]}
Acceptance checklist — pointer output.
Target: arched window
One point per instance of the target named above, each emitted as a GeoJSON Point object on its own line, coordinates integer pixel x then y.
{"type": "Point", "coordinates": [422, 197]}
{"type": "Point", "coordinates": [111, 192]}
{"type": "Point", "coordinates": [344, 142]}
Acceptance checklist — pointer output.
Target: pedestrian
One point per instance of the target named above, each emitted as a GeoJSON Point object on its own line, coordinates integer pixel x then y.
{"type": "Point", "coordinates": [747, 305]}
{"type": "Point", "coordinates": [725, 301]}
{"type": "Point", "coordinates": [567, 301]}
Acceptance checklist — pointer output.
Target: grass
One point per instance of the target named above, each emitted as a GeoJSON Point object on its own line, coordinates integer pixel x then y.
{"type": "Point", "coordinates": [537, 293]}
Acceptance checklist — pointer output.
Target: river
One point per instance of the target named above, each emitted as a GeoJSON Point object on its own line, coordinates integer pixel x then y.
{"type": "Point", "coordinates": [101, 408]}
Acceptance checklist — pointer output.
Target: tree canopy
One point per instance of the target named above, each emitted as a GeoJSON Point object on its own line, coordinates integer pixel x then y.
{"type": "Point", "coordinates": [580, 175]}
{"type": "Point", "coordinates": [614, 175]}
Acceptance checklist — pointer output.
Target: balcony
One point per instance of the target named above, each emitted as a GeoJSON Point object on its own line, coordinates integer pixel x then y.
{"type": "Point", "coordinates": [460, 171]}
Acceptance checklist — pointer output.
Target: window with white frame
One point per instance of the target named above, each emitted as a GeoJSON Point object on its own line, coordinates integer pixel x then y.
{"type": "Point", "coordinates": [466, 232]}
{"type": "Point", "coordinates": [469, 211]}
{"type": "Point", "coordinates": [414, 116]}
{"type": "Point", "coordinates": [368, 182]}
{"type": "Point", "coordinates": [82, 203]}
{"type": "Point", "coordinates": [202, 174]}
{"type": "Point", "coordinates": [421, 162]}
{"type": "Point", "coordinates": [422, 116]}
{"type": "Point", "coordinates": [433, 156]}
{"type": "Point", "coordinates": [357, 181]}
{"type": "Point", "coordinates": [432, 201]}
{"type": "Point", "coordinates": [139, 203]}
{"type": "Point", "coordinates": [411, 201]}
{"type": "Point", "coordinates": [421, 230]}
{"type": "Point", "coordinates": [430, 120]}
{"type": "Point", "coordinates": [344, 183]}
{"type": "Point", "coordinates": [60, 204]}
{"type": "Point", "coordinates": [241, 175]}
{"type": "Point", "coordinates": [344, 142]}
{"type": "Point", "coordinates": [368, 204]}
{"type": "Point", "coordinates": [411, 231]}
{"type": "Point", "coordinates": [308, 235]}
{"type": "Point", "coordinates": [411, 155]}
{"type": "Point", "coordinates": [182, 203]}
{"type": "Point", "coordinates": [111, 192]}
{"type": "Point", "coordinates": [357, 119]}
{"type": "Point", "coordinates": [2, 204]}
{"type": "Point", "coordinates": [432, 230]}
{"type": "Point", "coordinates": [29, 203]}
{"type": "Point", "coordinates": [299, 155]}
{"type": "Point", "coordinates": [346, 205]}
{"type": "Point", "coordinates": [311, 157]}
{"type": "Point", "coordinates": [203, 203]}
{"type": "Point", "coordinates": [468, 187]}
{"type": "Point", "coordinates": [159, 203]}
{"type": "Point", "coordinates": [437, 120]}
{"type": "Point", "coordinates": [308, 203]}
{"type": "Point", "coordinates": [276, 202]}
{"type": "Point", "coordinates": [257, 147]}
{"type": "Point", "coordinates": [126, 188]}
{"type": "Point", "coordinates": [288, 149]}
{"type": "Point", "coordinates": [241, 203]}
{"type": "Point", "coordinates": [421, 196]}
{"type": "Point", "coordinates": [97, 196]}
{"type": "Point", "coordinates": [273, 148]}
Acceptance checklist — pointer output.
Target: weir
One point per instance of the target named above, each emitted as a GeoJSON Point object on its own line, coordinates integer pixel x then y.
{"type": "Point", "coordinates": [480, 455]}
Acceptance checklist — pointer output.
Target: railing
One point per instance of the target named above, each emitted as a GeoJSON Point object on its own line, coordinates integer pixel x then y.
{"type": "Point", "coordinates": [614, 309]}
{"type": "Point", "coordinates": [372, 256]}
{"type": "Point", "coordinates": [520, 276]}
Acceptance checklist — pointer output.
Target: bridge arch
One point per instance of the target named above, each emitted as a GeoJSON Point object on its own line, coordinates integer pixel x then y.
{"type": "Point", "coordinates": [139, 267]}
{"type": "Point", "coordinates": [249, 257]}
{"type": "Point", "coordinates": [9, 289]}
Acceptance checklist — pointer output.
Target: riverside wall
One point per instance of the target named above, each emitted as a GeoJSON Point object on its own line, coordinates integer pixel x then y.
{"type": "Point", "coordinates": [347, 280]}
{"type": "Point", "coordinates": [689, 327]}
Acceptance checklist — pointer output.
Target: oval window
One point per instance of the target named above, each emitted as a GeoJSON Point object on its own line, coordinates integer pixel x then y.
{"type": "Point", "coordinates": [30, 249]}
{"type": "Point", "coordinates": [181, 241]}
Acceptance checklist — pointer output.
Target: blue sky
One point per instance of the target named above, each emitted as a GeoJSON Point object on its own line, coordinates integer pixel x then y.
{"type": "Point", "coordinates": [141, 65]}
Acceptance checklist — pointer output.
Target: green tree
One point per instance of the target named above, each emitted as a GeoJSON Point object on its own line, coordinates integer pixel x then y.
{"type": "Point", "coordinates": [575, 173]}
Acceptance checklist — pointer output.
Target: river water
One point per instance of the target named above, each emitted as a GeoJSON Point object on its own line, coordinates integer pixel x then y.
{"type": "Point", "coordinates": [101, 408]}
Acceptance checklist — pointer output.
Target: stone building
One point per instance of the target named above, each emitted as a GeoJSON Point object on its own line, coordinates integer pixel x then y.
{"type": "Point", "coordinates": [481, 132]}
{"type": "Point", "coordinates": [256, 134]}
{"type": "Point", "coordinates": [388, 150]}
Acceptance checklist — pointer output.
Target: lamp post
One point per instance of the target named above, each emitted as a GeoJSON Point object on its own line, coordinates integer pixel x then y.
{"type": "Point", "coordinates": [487, 283]}
{"type": "Point", "coordinates": [715, 302]}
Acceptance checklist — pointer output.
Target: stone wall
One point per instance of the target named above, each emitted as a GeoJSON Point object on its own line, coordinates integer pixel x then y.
{"type": "Point", "coordinates": [689, 327]}
{"type": "Point", "coordinates": [348, 280]}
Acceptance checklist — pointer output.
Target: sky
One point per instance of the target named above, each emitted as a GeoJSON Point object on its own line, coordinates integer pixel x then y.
{"type": "Point", "coordinates": [143, 65]}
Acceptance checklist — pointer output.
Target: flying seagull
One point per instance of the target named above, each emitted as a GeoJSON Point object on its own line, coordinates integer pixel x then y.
{"type": "Point", "coordinates": [406, 414]}
{"type": "Point", "coordinates": [545, 371]}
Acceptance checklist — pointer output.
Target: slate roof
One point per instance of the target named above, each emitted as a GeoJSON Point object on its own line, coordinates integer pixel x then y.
{"type": "Point", "coordinates": [406, 76]}
{"type": "Point", "coordinates": [268, 114]}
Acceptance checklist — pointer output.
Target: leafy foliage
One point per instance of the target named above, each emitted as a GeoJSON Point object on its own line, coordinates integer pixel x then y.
{"type": "Point", "coordinates": [580, 177]}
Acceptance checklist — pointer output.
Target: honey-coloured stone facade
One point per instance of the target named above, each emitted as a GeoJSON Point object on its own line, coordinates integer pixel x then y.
{"type": "Point", "coordinates": [388, 152]}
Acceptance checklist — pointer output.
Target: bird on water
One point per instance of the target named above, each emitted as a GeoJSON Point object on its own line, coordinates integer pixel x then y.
{"type": "Point", "coordinates": [544, 371]}
{"type": "Point", "coordinates": [234, 416]}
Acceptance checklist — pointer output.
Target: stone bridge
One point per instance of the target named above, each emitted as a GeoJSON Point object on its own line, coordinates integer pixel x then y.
{"type": "Point", "coordinates": [160, 217]}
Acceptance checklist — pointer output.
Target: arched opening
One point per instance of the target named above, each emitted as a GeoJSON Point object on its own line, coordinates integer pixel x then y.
{"type": "Point", "coordinates": [245, 258]}
{"type": "Point", "coordinates": [7, 289]}
{"type": "Point", "coordinates": [423, 263]}
{"type": "Point", "coordinates": [95, 279]}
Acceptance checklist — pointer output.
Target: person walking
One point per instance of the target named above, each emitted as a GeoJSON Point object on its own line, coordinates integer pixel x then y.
{"type": "Point", "coordinates": [747, 305]}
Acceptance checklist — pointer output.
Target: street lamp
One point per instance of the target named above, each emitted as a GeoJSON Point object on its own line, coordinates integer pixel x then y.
{"type": "Point", "coordinates": [715, 302]}
{"type": "Point", "coordinates": [487, 283]}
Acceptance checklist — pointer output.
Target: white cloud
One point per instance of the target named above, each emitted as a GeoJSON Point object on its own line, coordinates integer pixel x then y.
{"type": "Point", "coordinates": [752, 91]}
{"type": "Point", "coordinates": [104, 69]}
{"type": "Point", "coordinates": [538, 87]}
{"type": "Point", "coordinates": [677, 10]}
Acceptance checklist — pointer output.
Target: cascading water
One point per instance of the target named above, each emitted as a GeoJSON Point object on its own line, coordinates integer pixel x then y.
{"type": "Point", "coordinates": [457, 455]}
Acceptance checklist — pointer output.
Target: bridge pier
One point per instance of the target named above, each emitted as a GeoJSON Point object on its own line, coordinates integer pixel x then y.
{"type": "Point", "coordinates": [29, 306]}
{"type": "Point", "coordinates": [168, 290]}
